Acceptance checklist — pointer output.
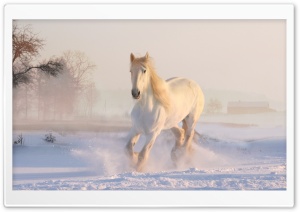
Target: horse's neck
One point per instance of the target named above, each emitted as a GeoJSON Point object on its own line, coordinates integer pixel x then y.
{"type": "Point", "coordinates": [147, 98]}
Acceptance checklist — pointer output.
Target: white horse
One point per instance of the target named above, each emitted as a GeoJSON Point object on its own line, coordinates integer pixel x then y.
{"type": "Point", "coordinates": [161, 105]}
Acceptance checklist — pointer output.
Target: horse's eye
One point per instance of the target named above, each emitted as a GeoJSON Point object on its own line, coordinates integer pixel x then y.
{"type": "Point", "coordinates": [144, 71]}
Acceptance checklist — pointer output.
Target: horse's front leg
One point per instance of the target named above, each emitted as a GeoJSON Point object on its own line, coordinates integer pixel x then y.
{"type": "Point", "coordinates": [132, 139]}
{"type": "Point", "coordinates": [144, 154]}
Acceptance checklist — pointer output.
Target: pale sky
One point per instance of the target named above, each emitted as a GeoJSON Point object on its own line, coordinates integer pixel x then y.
{"type": "Point", "coordinates": [238, 55]}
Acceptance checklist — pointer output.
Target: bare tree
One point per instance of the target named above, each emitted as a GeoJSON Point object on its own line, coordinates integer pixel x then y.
{"type": "Point", "coordinates": [80, 68]}
{"type": "Point", "coordinates": [19, 103]}
{"type": "Point", "coordinates": [90, 98]}
{"type": "Point", "coordinates": [26, 46]}
{"type": "Point", "coordinates": [56, 96]}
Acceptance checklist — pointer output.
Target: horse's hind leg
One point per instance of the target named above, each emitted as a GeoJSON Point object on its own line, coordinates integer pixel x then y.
{"type": "Point", "coordinates": [179, 135]}
{"type": "Point", "coordinates": [190, 123]}
{"type": "Point", "coordinates": [190, 131]}
{"type": "Point", "coordinates": [133, 138]}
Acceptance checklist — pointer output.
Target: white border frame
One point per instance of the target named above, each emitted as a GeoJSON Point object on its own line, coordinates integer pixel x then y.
{"type": "Point", "coordinates": [13, 198]}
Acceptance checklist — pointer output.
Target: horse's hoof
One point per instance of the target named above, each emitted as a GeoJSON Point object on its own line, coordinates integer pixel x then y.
{"type": "Point", "coordinates": [133, 158]}
{"type": "Point", "coordinates": [139, 168]}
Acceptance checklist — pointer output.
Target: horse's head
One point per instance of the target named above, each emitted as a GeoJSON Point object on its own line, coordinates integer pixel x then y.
{"type": "Point", "coordinates": [139, 75]}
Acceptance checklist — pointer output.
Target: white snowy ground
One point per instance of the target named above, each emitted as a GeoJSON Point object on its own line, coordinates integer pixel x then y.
{"type": "Point", "coordinates": [226, 157]}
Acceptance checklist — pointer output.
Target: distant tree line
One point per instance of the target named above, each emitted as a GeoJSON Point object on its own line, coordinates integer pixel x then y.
{"type": "Point", "coordinates": [57, 88]}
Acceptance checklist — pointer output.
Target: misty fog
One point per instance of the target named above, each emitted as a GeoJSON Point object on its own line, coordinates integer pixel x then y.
{"type": "Point", "coordinates": [233, 61]}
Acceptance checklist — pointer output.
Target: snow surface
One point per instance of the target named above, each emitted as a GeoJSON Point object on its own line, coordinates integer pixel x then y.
{"type": "Point", "coordinates": [225, 157]}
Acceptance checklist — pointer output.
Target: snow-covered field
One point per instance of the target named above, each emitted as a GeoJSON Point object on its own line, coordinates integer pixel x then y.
{"type": "Point", "coordinates": [225, 157]}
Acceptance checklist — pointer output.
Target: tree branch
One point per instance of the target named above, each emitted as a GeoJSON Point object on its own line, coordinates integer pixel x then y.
{"type": "Point", "coordinates": [52, 68]}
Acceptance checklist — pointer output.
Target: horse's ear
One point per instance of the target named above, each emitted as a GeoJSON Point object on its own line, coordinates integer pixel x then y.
{"type": "Point", "coordinates": [132, 57]}
{"type": "Point", "coordinates": [147, 55]}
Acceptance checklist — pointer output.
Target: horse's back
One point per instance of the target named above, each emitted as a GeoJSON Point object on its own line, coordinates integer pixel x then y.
{"type": "Point", "coordinates": [187, 96]}
{"type": "Point", "coordinates": [183, 85]}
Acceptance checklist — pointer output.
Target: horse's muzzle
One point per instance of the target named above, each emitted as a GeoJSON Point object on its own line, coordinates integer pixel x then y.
{"type": "Point", "coordinates": [135, 93]}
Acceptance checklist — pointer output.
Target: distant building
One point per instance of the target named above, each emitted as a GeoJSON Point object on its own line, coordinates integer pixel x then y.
{"type": "Point", "coordinates": [241, 107]}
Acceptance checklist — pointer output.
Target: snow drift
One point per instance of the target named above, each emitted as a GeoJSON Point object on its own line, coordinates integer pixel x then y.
{"type": "Point", "coordinates": [224, 158]}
